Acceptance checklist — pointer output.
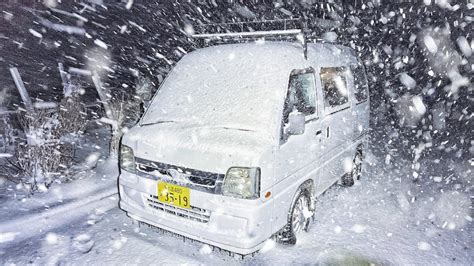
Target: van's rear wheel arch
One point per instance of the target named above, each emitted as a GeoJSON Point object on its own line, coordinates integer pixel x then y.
{"type": "Point", "coordinates": [303, 195]}
{"type": "Point", "coordinates": [360, 149]}
{"type": "Point", "coordinates": [348, 179]}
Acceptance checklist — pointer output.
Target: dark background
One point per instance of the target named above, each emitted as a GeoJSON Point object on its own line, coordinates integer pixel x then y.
{"type": "Point", "coordinates": [385, 35]}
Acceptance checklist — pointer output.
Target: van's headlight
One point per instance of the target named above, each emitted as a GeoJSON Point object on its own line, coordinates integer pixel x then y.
{"type": "Point", "coordinates": [127, 160]}
{"type": "Point", "coordinates": [242, 182]}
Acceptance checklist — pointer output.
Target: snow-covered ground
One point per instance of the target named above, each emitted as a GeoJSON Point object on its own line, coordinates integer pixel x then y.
{"type": "Point", "coordinates": [379, 220]}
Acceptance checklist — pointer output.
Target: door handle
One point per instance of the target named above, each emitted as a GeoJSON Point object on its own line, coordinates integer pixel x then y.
{"type": "Point", "coordinates": [327, 132]}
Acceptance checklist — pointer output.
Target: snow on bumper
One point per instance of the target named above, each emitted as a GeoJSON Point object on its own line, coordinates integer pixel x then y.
{"type": "Point", "coordinates": [240, 227]}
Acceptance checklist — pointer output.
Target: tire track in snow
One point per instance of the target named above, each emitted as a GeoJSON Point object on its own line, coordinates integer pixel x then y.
{"type": "Point", "coordinates": [31, 225]}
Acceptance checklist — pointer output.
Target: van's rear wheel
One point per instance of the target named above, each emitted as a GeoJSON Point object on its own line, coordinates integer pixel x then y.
{"type": "Point", "coordinates": [356, 171]}
{"type": "Point", "coordinates": [298, 218]}
{"type": "Point", "coordinates": [357, 166]}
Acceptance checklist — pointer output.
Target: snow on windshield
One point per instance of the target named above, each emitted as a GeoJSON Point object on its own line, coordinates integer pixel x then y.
{"type": "Point", "coordinates": [240, 87]}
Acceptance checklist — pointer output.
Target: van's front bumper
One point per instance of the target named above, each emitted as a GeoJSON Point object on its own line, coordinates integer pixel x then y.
{"type": "Point", "coordinates": [240, 226]}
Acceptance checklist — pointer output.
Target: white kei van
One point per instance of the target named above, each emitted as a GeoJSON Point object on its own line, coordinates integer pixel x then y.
{"type": "Point", "coordinates": [241, 138]}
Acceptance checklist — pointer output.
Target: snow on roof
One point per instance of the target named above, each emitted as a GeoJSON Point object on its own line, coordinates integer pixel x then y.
{"type": "Point", "coordinates": [236, 86]}
{"type": "Point", "coordinates": [279, 48]}
{"type": "Point", "coordinates": [327, 54]}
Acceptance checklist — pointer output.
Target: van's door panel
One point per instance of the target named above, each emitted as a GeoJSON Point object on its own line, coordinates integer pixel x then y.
{"type": "Point", "coordinates": [338, 122]}
{"type": "Point", "coordinates": [298, 151]}
{"type": "Point", "coordinates": [297, 156]}
{"type": "Point", "coordinates": [334, 144]}
{"type": "Point", "coordinates": [296, 160]}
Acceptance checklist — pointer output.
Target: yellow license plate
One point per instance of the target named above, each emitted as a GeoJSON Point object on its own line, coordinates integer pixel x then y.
{"type": "Point", "coordinates": [174, 195]}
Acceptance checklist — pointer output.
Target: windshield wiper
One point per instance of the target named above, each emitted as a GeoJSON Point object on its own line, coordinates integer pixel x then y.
{"type": "Point", "coordinates": [157, 122]}
{"type": "Point", "coordinates": [235, 128]}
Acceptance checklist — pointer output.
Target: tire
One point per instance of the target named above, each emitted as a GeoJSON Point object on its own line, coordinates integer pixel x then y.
{"type": "Point", "coordinates": [298, 218]}
{"type": "Point", "coordinates": [349, 178]}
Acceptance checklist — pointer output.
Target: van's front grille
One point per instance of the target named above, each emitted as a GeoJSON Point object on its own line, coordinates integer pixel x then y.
{"type": "Point", "coordinates": [194, 213]}
{"type": "Point", "coordinates": [196, 179]}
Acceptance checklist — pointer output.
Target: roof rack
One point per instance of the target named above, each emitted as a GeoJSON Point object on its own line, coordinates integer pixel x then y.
{"type": "Point", "coordinates": [247, 34]}
{"type": "Point", "coordinates": [278, 29]}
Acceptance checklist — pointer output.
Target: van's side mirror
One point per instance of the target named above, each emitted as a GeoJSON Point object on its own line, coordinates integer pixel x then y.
{"type": "Point", "coordinates": [296, 123]}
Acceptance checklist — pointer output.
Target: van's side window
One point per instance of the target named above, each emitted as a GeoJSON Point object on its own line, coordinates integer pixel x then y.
{"type": "Point", "coordinates": [360, 81]}
{"type": "Point", "coordinates": [301, 94]}
{"type": "Point", "coordinates": [334, 84]}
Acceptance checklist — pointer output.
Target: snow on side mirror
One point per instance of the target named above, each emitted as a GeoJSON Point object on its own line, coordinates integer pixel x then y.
{"type": "Point", "coordinates": [296, 123]}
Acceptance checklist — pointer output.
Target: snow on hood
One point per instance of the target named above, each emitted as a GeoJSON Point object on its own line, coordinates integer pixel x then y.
{"type": "Point", "coordinates": [237, 86]}
{"type": "Point", "coordinates": [213, 149]}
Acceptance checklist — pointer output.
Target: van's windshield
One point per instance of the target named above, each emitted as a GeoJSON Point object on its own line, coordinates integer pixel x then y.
{"type": "Point", "coordinates": [226, 90]}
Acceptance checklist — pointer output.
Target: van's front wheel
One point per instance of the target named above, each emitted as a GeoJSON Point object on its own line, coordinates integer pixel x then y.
{"type": "Point", "coordinates": [298, 218]}
{"type": "Point", "coordinates": [300, 214]}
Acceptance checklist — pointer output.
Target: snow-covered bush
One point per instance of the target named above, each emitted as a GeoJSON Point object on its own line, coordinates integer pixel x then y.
{"type": "Point", "coordinates": [72, 120]}
{"type": "Point", "coordinates": [39, 157]}
{"type": "Point", "coordinates": [47, 152]}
